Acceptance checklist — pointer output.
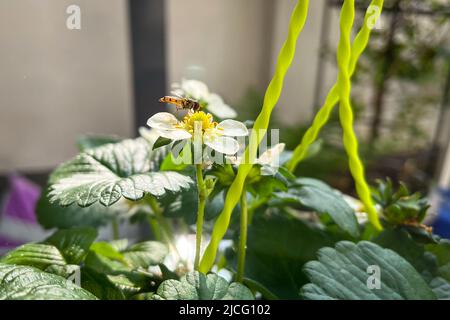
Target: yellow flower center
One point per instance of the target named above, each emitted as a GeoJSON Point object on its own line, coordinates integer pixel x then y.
{"type": "Point", "coordinates": [204, 119]}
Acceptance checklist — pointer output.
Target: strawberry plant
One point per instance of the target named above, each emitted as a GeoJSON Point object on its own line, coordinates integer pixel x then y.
{"type": "Point", "coordinates": [226, 217]}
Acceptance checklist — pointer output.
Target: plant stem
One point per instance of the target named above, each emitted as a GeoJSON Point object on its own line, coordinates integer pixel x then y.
{"type": "Point", "coordinates": [201, 212]}
{"type": "Point", "coordinates": [166, 228]}
{"type": "Point", "coordinates": [256, 286]}
{"type": "Point", "coordinates": [242, 238]}
{"type": "Point", "coordinates": [254, 206]}
{"type": "Point", "coordinates": [115, 228]}
{"type": "Point", "coordinates": [155, 228]}
{"type": "Point", "coordinates": [165, 231]}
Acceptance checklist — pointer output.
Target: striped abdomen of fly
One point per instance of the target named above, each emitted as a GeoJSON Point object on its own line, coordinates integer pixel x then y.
{"type": "Point", "coordinates": [181, 103]}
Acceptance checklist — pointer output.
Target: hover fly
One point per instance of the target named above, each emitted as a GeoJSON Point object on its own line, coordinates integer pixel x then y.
{"type": "Point", "coordinates": [181, 103]}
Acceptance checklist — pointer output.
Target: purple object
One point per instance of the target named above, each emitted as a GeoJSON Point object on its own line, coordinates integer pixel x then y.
{"type": "Point", "coordinates": [8, 243]}
{"type": "Point", "coordinates": [22, 199]}
{"type": "Point", "coordinates": [18, 223]}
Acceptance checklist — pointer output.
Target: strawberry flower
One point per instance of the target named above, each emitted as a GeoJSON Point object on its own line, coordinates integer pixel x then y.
{"type": "Point", "coordinates": [269, 160]}
{"type": "Point", "coordinates": [217, 136]}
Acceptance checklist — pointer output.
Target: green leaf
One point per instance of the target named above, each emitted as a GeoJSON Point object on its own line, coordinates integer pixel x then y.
{"type": "Point", "coordinates": [342, 273]}
{"type": "Point", "coordinates": [124, 284]}
{"type": "Point", "coordinates": [99, 285]}
{"type": "Point", "coordinates": [110, 172]}
{"type": "Point", "coordinates": [167, 273]}
{"type": "Point", "coordinates": [64, 271]}
{"type": "Point", "coordinates": [119, 245]}
{"type": "Point", "coordinates": [139, 255]}
{"type": "Point", "coordinates": [185, 204]}
{"type": "Point", "coordinates": [197, 286]}
{"type": "Point", "coordinates": [441, 288]}
{"type": "Point", "coordinates": [172, 163]}
{"type": "Point", "coordinates": [277, 248]}
{"type": "Point", "coordinates": [145, 254]}
{"type": "Point", "coordinates": [399, 206]}
{"type": "Point", "coordinates": [224, 173]}
{"type": "Point", "coordinates": [124, 268]}
{"type": "Point", "coordinates": [175, 160]}
{"type": "Point", "coordinates": [431, 261]}
{"type": "Point", "coordinates": [267, 185]}
{"type": "Point", "coordinates": [421, 234]}
{"type": "Point", "coordinates": [34, 254]}
{"type": "Point", "coordinates": [143, 296]}
{"type": "Point", "coordinates": [104, 265]}
{"type": "Point", "coordinates": [161, 142]}
{"type": "Point", "coordinates": [255, 286]}
{"type": "Point", "coordinates": [123, 271]}
{"type": "Point", "coordinates": [73, 243]}
{"type": "Point", "coordinates": [130, 283]}
{"type": "Point", "coordinates": [400, 241]}
{"type": "Point", "coordinates": [51, 215]}
{"type": "Point", "coordinates": [28, 283]}
{"type": "Point", "coordinates": [319, 197]}
{"type": "Point", "coordinates": [107, 250]}
{"type": "Point", "coordinates": [442, 253]}
{"type": "Point", "coordinates": [89, 142]}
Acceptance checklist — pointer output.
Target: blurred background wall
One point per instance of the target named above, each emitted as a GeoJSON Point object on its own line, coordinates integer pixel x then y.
{"type": "Point", "coordinates": [56, 83]}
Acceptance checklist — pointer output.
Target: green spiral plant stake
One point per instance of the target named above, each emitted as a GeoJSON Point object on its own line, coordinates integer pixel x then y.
{"type": "Point", "coordinates": [362, 38]}
{"type": "Point", "coordinates": [346, 113]}
{"type": "Point", "coordinates": [348, 58]}
{"type": "Point", "coordinates": [261, 124]}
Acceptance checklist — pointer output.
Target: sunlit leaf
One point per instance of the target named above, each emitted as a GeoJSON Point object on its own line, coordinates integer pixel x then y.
{"type": "Point", "coordinates": [35, 254]}
{"type": "Point", "coordinates": [28, 283]}
{"type": "Point", "coordinates": [52, 215]}
{"type": "Point", "coordinates": [106, 174]}
{"type": "Point", "coordinates": [343, 273]}
{"type": "Point", "coordinates": [317, 196]}
{"type": "Point", "coordinates": [197, 286]}
{"type": "Point", "coordinates": [73, 243]}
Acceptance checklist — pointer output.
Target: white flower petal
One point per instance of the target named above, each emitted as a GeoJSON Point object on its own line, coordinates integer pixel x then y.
{"type": "Point", "coordinates": [233, 128]}
{"type": "Point", "coordinates": [217, 107]}
{"type": "Point", "coordinates": [195, 89]}
{"type": "Point", "coordinates": [177, 92]}
{"type": "Point", "coordinates": [162, 121]}
{"type": "Point", "coordinates": [175, 134]}
{"type": "Point", "coordinates": [175, 85]}
{"type": "Point", "coordinates": [358, 206]}
{"type": "Point", "coordinates": [271, 156]}
{"type": "Point", "coordinates": [268, 171]}
{"type": "Point", "coordinates": [222, 111]}
{"type": "Point", "coordinates": [151, 135]}
{"type": "Point", "coordinates": [214, 98]}
{"type": "Point", "coordinates": [222, 144]}
{"type": "Point", "coordinates": [234, 159]}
